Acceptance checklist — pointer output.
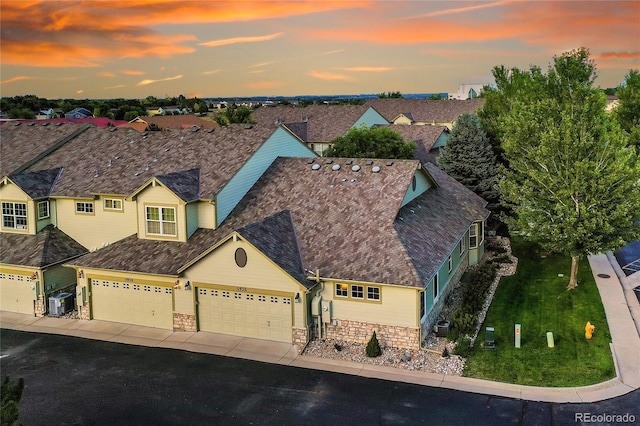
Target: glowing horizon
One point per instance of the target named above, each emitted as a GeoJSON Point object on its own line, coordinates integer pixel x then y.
{"type": "Point", "coordinates": [135, 48]}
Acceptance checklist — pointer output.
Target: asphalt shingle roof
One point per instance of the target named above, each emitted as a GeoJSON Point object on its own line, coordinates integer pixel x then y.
{"type": "Point", "coordinates": [48, 247]}
{"type": "Point", "coordinates": [37, 184]}
{"type": "Point", "coordinates": [425, 110]}
{"type": "Point", "coordinates": [185, 184]}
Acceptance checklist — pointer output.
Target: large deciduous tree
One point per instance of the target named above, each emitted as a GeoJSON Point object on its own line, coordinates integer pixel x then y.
{"type": "Point", "coordinates": [571, 179]}
{"type": "Point", "coordinates": [628, 110]}
{"type": "Point", "coordinates": [376, 142]}
{"type": "Point", "coordinates": [469, 158]}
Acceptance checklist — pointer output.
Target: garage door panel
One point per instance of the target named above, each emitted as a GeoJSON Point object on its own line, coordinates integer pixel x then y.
{"type": "Point", "coordinates": [146, 305]}
{"type": "Point", "coordinates": [245, 314]}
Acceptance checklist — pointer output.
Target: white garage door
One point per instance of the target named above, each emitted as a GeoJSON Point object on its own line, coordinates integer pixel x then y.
{"type": "Point", "coordinates": [139, 304]}
{"type": "Point", "coordinates": [256, 315]}
{"type": "Point", "coordinates": [16, 294]}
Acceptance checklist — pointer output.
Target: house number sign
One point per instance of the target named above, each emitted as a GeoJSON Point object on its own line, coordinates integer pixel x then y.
{"type": "Point", "coordinates": [241, 288]}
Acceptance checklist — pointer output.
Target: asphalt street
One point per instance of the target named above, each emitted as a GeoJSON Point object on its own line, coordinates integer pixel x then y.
{"type": "Point", "coordinates": [74, 381]}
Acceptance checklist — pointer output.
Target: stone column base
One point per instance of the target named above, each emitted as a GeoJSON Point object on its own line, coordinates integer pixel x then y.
{"type": "Point", "coordinates": [184, 322]}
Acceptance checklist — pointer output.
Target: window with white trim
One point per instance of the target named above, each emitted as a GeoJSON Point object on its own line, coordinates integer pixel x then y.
{"type": "Point", "coordinates": [43, 209]}
{"type": "Point", "coordinates": [85, 207]}
{"type": "Point", "coordinates": [422, 304]}
{"type": "Point", "coordinates": [476, 234]}
{"type": "Point", "coordinates": [461, 246]}
{"type": "Point", "coordinates": [373, 293]}
{"type": "Point", "coordinates": [357, 291]}
{"type": "Point", "coordinates": [161, 220]}
{"type": "Point", "coordinates": [436, 290]}
{"type": "Point", "coordinates": [112, 204]}
{"type": "Point", "coordinates": [450, 264]}
{"type": "Point", "coordinates": [14, 215]}
{"type": "Point", "coordinates": [342, 290]}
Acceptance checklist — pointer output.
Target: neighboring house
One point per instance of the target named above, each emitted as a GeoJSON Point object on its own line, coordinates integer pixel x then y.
{"type": "Point", "coordinates": [612, 103]}
{"type": "Point", "coordinates": [78, 113]}
{"type": "Point", "coordinates": [172, 110]}
{"type": "Point", "coordinates": [428, 140]}
{"type": "Point", "coordinates": [422, 112]}
{"type": "Point", "coordinates": [47, 114]}
{"type": "Point", "coordinates": [243, 231]}
{"type": "Point", "coordinates": [467, 91]}
{"type": "Point", "coordinates": [187, 121]}
{"type": "Point", "coordinates": [319, 125]}
{"type": "Point", "coordinates": [152, 110]}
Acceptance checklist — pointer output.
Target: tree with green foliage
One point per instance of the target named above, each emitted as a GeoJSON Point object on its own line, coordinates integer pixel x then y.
{"type": "Point", "coordinates": [469, 158]}
{"type": "Point", "coordinates": [571, 179]}
{"type": "Point", "coordinates": [390, 95]}
{"type": "Point", "coordinates": [375, 142]}
{"type": "Point", "coordinates": [10, 395]}
{"type": "Point", "coordinates": [628, 110]}
{"type": "Point", "coordinates": [234, 114]}
{"type": "Point", "coordinates": [373, 347]}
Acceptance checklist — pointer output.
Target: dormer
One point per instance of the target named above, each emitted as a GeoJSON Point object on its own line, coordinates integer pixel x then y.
{"type": "Point", "coordinates": [24, 197]}
{"type": "Point", "coordinates": [421, 181]}
{"type": "Point", "coordinates": [168, 206]}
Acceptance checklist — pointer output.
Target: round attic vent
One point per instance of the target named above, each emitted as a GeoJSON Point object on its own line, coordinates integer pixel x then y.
{"type": "Point", "coordinates": [355, 168]}
{"type": "Point", "coordinates": [375, 169]}
{"type": "Point", "coordinates": [335, 167]}
{"type": "Point", "coordinates": [315, 167]}
{"type": "Point", "coordinates": [241, 257]}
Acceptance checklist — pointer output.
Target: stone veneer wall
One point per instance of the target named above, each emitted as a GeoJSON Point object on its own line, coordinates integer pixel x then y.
{"type": "Point", "coordinates": [184, 322]}
{"type": "Point", "coordinates": [388, 335]}
{"type": "Point", "coordinates": [40, 307]}
{"type": "Point", "coordinates": [432, 316]}
{"type": "Point", "coordinates": [300, 337]}
{"type": "Point", "coordinates": [83, 312]}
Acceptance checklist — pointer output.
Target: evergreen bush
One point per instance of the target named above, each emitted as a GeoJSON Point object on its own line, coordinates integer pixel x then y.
{"type": "Point", "coordinates": [373, 347]}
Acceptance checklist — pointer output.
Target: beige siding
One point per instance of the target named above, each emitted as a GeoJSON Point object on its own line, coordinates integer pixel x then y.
{"type": "Point", "coordinates": [95, 230]}
{"type": "Point", "coordinates": [206, 215]}
{"type": "Point", "coordinates": [260, 275]}
{"type": "Point", "coordinates": [402, 120]}
{"type": "Point", "coordinates": [12, 193]}
{"type": "Point", "coordinates": [160, 196]}
{"type": "Point", "coordinates": [17, 290]}
{"type": "Point", "coordinates": [398, 306]}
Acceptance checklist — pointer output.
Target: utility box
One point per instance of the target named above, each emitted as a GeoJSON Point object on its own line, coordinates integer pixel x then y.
{"type": "Point", "coordinates": [518, 330]}
{"type": "Point", "coordinates": [326, 311]}
{"type": "Point", "coordinates": [316, 308]}
{"type": "Point", "coordinates": [60, 304]}
{"type": "Point", "coordinates": [441, 328]}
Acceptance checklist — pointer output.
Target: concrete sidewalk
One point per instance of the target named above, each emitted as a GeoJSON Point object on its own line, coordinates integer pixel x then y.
{"type": "Point", "coordinates": [625, 348]}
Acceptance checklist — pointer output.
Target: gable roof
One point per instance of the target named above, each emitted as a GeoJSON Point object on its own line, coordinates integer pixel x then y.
{"type": "Point", "coordinates": [425, 110]}
{"type": "Point", "coordinates": [275, 236]}
{"type": "Point", "coordinates": [119, 161]}
{"type": "Point", "coordinates": [324, 123]}
{"type": "Point", "coordinates": [37, 184]}
{"type": "Point", "coordinates": [185, 121]}
{"type": "Point", "coordinates": [48, 247]}
{"type": "Point", "coordinates": [185, 184]}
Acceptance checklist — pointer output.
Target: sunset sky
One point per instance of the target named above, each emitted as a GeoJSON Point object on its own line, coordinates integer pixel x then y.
{"type": "Point", "coordinates": [134, 49]}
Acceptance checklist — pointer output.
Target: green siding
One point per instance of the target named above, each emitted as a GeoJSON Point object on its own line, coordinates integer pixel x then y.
{"type": "Point", "coordinates": [442, 140]}
{"type": "Point", "coordinates": [57, 277]}
{"type": "Point", "coordinates": [370, 118]}
{"type": "Point", "coordinates": [422, 184]}
{"type": "Point", "coordinates": [192, 218]}
{"type": "Point", "coordinates": [280, 144]}
{"type": "Point", "coordinates": [444, 276]}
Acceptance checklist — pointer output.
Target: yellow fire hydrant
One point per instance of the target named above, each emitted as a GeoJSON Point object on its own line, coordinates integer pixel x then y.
{"type": "Point", "coordinates": [588, 330]}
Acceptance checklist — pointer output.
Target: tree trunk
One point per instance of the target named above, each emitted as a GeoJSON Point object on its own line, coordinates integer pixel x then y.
{"type": "Point", "coordinates": [573, 280]}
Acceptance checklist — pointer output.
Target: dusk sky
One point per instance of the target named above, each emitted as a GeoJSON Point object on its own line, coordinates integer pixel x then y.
{"type": "Point", "coordinates": [134, 49]}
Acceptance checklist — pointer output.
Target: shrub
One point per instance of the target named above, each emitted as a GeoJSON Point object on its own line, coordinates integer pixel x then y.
{"type": "Point", "coordinates": [445, 353]}
{"type": "Point", "coordinates": [373, 347]}
{"type": "Point", "coordinates": [463, 322]}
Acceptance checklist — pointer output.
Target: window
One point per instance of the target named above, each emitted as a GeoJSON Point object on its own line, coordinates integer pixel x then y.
{"type": "Point", "coordinates": [84, 207]}
{"type": "Point", "coordinates": [43, 210]}
{"type": "Point", "coordinates": [435, 287]}
{"type": "Point", "coordinates": [476, 234]}
{"type": "Point", "coordinates": [450, 264]}
{"type": "Point", "coordinates": [422, 305]}
{"type": "Point", "coordinates": [112, 204]}
{"type": "Point", "coordinates": [14, 215]}
{"type": "Point", "coordinates": [161, 220]}
{"type": "Point", "coordinates": [342, 290]}
{"type": "Point", "coordinates": [461, 246]}
{"type": "Point", "coordinates": [357, 292]}
{"type": "Point", "coordinates": [373, 293]}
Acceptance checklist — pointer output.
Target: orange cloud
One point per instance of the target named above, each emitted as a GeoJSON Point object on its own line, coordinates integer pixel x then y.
{"type": "Point", "coordinates": [132, 72]}
{"type": "Point", "coordinates": [328, 76]}
{"type": "Point", "coordinates": [146, 82]}
{"type": "Point", "coordinates": [368, 69]}
{"type": "Point", "coordinates": [621, 55]}
{"type": "Point", "coordinates": [119, 86]}
{"type": "Point", "coordinates": [465, 9]}
{"type": "Point", "coordinates": [14, 79]}
{"type": "Point", "coordinates": [236, 40]}
{"type": "Point", "coordinates": [106, 74]}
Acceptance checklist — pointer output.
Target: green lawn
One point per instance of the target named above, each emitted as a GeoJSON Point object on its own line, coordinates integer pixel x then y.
{"type": "Point", "coordinates": [537, 298]}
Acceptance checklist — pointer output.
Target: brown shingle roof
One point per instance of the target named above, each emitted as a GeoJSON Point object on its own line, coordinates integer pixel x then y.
{"type": "Point", "coordinates": [22, 143]}
{"type": "Point", "coordinates": [324, 122]}
{"type": "Point", "coordinates": [119, 162]}
{"type": "Point", "coordinates": [37, 184]}
{"type": "Point", "coordinates": [425, 110]}
{"type": "Point", "coordinates": [184, 121]}
{"type": "Point", "coordinates": [48, 247]}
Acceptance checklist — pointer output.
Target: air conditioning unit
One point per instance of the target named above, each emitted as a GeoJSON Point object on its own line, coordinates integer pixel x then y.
{"type": "Point", "coordinates": [60, 304]}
